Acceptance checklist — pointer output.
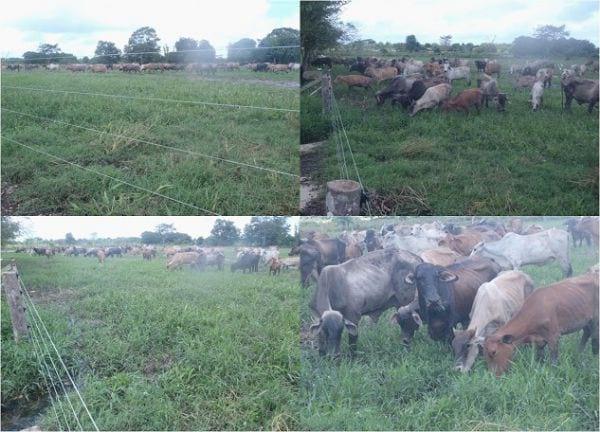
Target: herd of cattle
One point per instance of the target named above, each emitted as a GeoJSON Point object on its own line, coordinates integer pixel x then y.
{"type": "Point", "coordinates": [442, 275]}
{"type": "Point", "coordinates": [195, 257]}
{"type": "Point", "coordinates": [200, 68]}
{"type": "Point", "coordinates": [417, 85]}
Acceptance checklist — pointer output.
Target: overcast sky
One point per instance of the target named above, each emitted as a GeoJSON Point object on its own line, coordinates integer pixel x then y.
{"type": "Point", "coordinates": [78, 25]}
{"type": "Point", "coordinates": [469, 20]}
{"type": "Point", "coordinates": [55, 227]}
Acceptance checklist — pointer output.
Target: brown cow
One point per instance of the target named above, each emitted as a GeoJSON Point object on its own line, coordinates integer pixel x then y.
{"type": "Point", "coordinates": [441, 256]}
{"type": "Point", "coordinates": [462, 243]}
{"type": "Point", "coordinates": [589, 225]}
{"type": "Point", "coordinates": [464, 100]}
{"type": "Point", "coordinates": [561, 308]}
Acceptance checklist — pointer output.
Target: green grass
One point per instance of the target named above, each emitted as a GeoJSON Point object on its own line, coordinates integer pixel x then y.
{"type": "Point", "coordinates": [513, 163]}
{"type": "Point", "coordinates": [158, 350]}
{"type": "Point", "coordinates": [390, 387]}
{"type": "Point", "coordinates": [34, 184]}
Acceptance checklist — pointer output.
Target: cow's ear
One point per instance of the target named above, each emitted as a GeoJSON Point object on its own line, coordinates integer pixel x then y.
{"type": "Point", "coordinates": [417, 318]}
{"type": "Point", "coordinates": [507, 339]}
{"type": "Point", "coordinates": [410, 278]}
{"type": "Point", "coordinates": [351, 327]}
{"type": "Point", "coordinates": [446, 276]}
{"type": "Point", "coordinates": [315, 328]}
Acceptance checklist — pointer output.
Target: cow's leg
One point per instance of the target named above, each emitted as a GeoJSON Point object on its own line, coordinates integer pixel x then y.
{"type": "Point", "coordinates": [591, 106]}
{"type": "Point", "coordinates": [353, 343]}
{"type": "Point", "coordinates": [539, 351]}
{"type": "Point", "coordinates": [553, 347]}
{"type": "Point", "coordinates": [587, 332]}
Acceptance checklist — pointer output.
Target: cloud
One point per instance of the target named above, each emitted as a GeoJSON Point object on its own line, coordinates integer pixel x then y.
{"type": "Point", "coordinates": [73, 23]}
{"type": "Point", "coordinates": [469, 21]}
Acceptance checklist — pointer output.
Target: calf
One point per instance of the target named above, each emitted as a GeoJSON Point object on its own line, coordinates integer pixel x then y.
{"type": "Point", "coordinates": [548, 313]}
{"type": "Point", "coordinates": [465, 100]}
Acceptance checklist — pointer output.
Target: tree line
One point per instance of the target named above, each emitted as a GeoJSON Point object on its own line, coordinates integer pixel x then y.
{"type": "Point", "coordinates": [143, 47]}
{"type": "Point", "coordinates": [261, 231]}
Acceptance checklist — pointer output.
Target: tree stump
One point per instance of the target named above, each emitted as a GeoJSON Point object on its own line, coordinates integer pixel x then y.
{"type": "Point", "coordinates": [343, 198]}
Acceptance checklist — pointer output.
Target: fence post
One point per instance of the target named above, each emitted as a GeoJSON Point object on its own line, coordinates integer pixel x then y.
{"type": "Point", "coordinates": [326, 92]}
{"type": "Point", "coordinates": [343, 198]}
{"type": "Point", "coordinates": [12, 289]}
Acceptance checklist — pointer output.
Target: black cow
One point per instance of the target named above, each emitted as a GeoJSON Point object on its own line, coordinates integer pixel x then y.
{"type": "Point", "coordinates": [578, 234]}
{"type": "Point", "coordinates": [114, 251]}
{"type": "Point", "coordinates": [246, 261]}
{"type": "Point", "coordinates": [316, 254]}
{"type": "Point", "coordinates": [480, 64]}
{"type": "Point", "coordinates": [372, 241]}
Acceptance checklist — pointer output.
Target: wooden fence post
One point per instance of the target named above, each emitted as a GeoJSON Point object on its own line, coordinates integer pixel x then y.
{"type": "Point", "coordinates": [12, 289]}
{"type": "Point", "coordinates": [326, 92]}
{"type": "Point", "coordinates": [343, 198]}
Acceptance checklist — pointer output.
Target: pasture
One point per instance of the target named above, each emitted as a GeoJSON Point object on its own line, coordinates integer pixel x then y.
{"type": "Point", "coordinates": [157, 350]}
{"type": "Point", "coordinates": [501, 163]}
{"type": "Point", "coordinates": [391, 387]}
{"type": "Point", "coordinates": [176, 156]}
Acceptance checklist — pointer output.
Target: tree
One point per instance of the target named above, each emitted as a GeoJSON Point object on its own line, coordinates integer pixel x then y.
{"type": "Point", "coordinates": [164, 229]}
{"type": "Point", "coordinates": [321, 27]}
{"type": "Point", "coordinates": [69, 239]}
{"type": "Point", "coordinates": [10, 229]}
{"type": "Point", "coordinates": [267, 231]}
{"type": "Point", "coordinates": [151, 237]}
{"type": "Point", "coordinates": [224, 233]}
{"type": "Point", "coordinates": [143, 46]}
{"type": "Point", "coordinates": [412, 44]}
{"type": "Point", "coordinates": [446, 41]}
{"type": "Point", "coordinates": [189, 50]}
{"type": "Point", "coordinates": [279, 37]}
{"type": "Point", "coordinates": [550, 32]}
{"type": "Point", "coordinates": [48, 53]}
{"type": "Point", "coordinates": [107, 53]}
{"type": "Point", "coordinates": [241, 51]}
{"type": "Point", "coordinates": [199, 241]}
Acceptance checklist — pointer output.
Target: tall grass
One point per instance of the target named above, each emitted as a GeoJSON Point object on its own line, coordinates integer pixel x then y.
{"type": "Point", "coordinates": [37, 185]}
{"type": "Point", "coordinates": [157, 350]}
{"type": "Point", "coordinates": [514, 163]}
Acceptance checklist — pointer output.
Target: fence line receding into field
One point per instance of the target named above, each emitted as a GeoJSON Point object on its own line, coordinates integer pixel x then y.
{"type": "Point", "coordinates": [152, 99]}
{"type": "Point", "coordinates": [190, 152]}
{"type": "Point", "coordinates": [112, 178]}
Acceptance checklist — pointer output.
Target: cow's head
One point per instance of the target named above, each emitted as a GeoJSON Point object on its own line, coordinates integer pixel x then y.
{"type": "Point", "coordinates": [466, 347]}
{"type": "Point", "coordinates": [329, 328]}
{"type": "Point", "coordinates": [429, 279]}
{"type": "Point", "coordinates": [409, 321]}
{"type": "Point", "coordinates": [478, 249]}
{"type": "Point", "coordinates": [498, 351]}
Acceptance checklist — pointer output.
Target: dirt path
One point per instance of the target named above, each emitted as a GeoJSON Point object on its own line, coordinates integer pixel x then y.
{"type": "Point", "coordinates": [312, 192]}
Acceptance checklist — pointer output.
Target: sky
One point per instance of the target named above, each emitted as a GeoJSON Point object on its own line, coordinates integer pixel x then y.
{"type": "Point", "coordinates": [475, 21]}
{"type": "Point", "coordinates": [55, 227]}
{"type": "Point", "coordinates": [78, 25]}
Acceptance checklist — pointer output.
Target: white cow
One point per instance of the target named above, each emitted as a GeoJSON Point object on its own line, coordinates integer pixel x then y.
{"type": "Point", "coordinates": [496, 302]}
{"type": "Point", "coordinates": [428, 231]}
{"type": "Point", "coordinates": [410, 243]}
{"type": "Point", "coordinates": [432, 97]}
{"type": "Point", "coordinates": [537, 94]}
{"type": "Point", "coordinates": [514, 251]}
{"type": "Point", "coordinates": [457, 73]}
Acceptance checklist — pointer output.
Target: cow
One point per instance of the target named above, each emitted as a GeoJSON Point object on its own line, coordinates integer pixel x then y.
{"type": "Point", "coordinates": [247, 261]}
{"type": "Point", "coordinates": [464, 100]}
{"type": "Point", "coordinates": [368, 285]}
{"type": "Point", "coordinates": [589, 226]}
{"type": "Point", "coordinates": [316, 254]}
{"type": "Point", "coordinates": [524, 82]}
{"type": "Point", "coordinates": [290, 262]}
{"type": "Point", "coordinates": [446, 294]}
{"type": "Point", "coordinates": [493, 67]}
{"type": "Point", "coordinates": [148, 253]}
{"type": "Point", "coordinates": [274, 266]}
{"type": "Point", "coordinates": [381, 74]}
{"type": "Point", "coordinates": [98, 68]}
{"type": "Point", "coordinates": [532, 229]}
{"type": "Point", "coordinates": [194, 259]}
{"type": "Point", "coordinates": [215, 258]}
{"type": "Point", "coordinates": [399, 84]}
{"type": "Point", "coordinates": [514, 251]}
{"type": "Point", "coordinates": [496, 302]}
{"type": "Point", "coordinates": [372, 242]}
{"type": "Point", "coordinates": [77, 67]}
{"type": "Point", "coordinates": [440, 256]}
{"type": "Point", "coordinates": [545, 76]}
{"type": "Point", "coordinates": [47, 252]}
{"type": "Point", "coordinates": [114, 251]}
{"type": "Point", "coordinates": [480, 64]}
{"type": "Point", "coordinates": [52, 67]}
{"type": "Point", "coordinates": [548, 313]}
{"type": "Point", "coordinates": [582, 90]}
{"type": "Point", "coordinates": [410, 243]}
{"type": "Point", "coordinates": [462, 243]}
{"type": "Point", "coordinates": [537, 94]}
{"type": "Point", "coordinates": [417, 90]}
{"type": "Point", "coordinates": [458, 73]}
{"type": "Point", "coordinates": [131, 67]}
{"type": "Point", "coordinates": [411, 68]}
{"type": "Point", "coordinates": [101, 256]}
{"type": "Point", "coordinates": [354, 81]}
{"type": "Point", "coordinates": [433, 96]}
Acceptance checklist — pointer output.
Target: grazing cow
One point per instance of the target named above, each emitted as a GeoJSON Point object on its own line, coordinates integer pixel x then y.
{"type": "Point", "coordinates": [440, 256]}
{"type": "Point", "coordinates": [152, 67]}
{"type": "Point", "coordinates": [446, 294]}
{"type": "Point", "coordinates": [514, 251]}
{"type": "Point", "coordinates": [354, 81]}
{"type": "Point", "coordinates": [114, 251]}
{"type": "Point", "coordinates": [247, 261]}
{"type": "Point", "coordinates": [464, 100]}
{"type": "Point", "coordinates": [493, 67]}
{"type": "Point", "coordinates": [77, 67]}
{"type": "Point", "coordinates": [589, 226]}
{"type": "Point", "coordinates": [193, 259]}
{"type": "Point", "coordinates": [480, 64]}
{"type": "Point", "coordinates": [215, 258]}
{"type": "Point", "coordinates": [316, 254]}
{"type": "Point", "coordinates": [410, 243]}
{"type": "Point", "coordinates": [398, 85]}
{"type": "Point", "coordinates": [98, 68]}
{"type": "Point", "coordinates": [496, 302]}
{"type": "Point", "coordinates": [131, 67]}
{"type": "Point", "coordinates": [433, 96]}
{"type": "Point", "coordinates": [290, 262]}
{"type": "Point", "coordinates": [42, 251]}
{"type": "Point", "coordinates": [13, 67]}
{"type": "Point", "coordinates": [582, 90]}
{"type": "Point", "coordinates": [410, 69]}
{"type": "Point", "coordinates": [148, 253]}
{"type": "Point", "coordinates": [458, 73]}
{"type": "Point", "coordinates": [462, 243]}
{"type": "Point", "coordinates": [368, 285]}
{"type": "Point", "coordinates": [524, 82]}
{"type": "Point", "coordinates": [537, 94]}
{"type": "Point", "coordinates": [52, 67]}
{"type": "Point", "coordinates": [417, 90]}
{"type": "Point", "coordinates": [381, 74]}
{"type": "Point", "coordinates": [548, 313]}
{"type": "Point", "coordinates": [279, 68]}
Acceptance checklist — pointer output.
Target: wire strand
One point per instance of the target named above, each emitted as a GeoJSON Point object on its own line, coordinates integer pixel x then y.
{"type": "Point", "coordinates": [190, 152]}
{"type": "Point", "coordinates": [113, 178]}
{"type": "Point", "coordinates": [152, 99]}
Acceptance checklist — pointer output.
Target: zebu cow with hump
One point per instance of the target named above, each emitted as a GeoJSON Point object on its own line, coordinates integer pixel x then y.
{"type": "Point", "coordinates": [548, 313]}
{"type": "Point", "coordinates": [368, 285]}
{"type": "Point", "coordinates": [495, 304]}
{"type": "Point", "coordinates": [582, 90]}
{"type": "Point", "coordinates": [445, 294]}
{"type": "Point", "coordinates": [316, 254]}
{"type": "Point", "coordinates": [514, 251]}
